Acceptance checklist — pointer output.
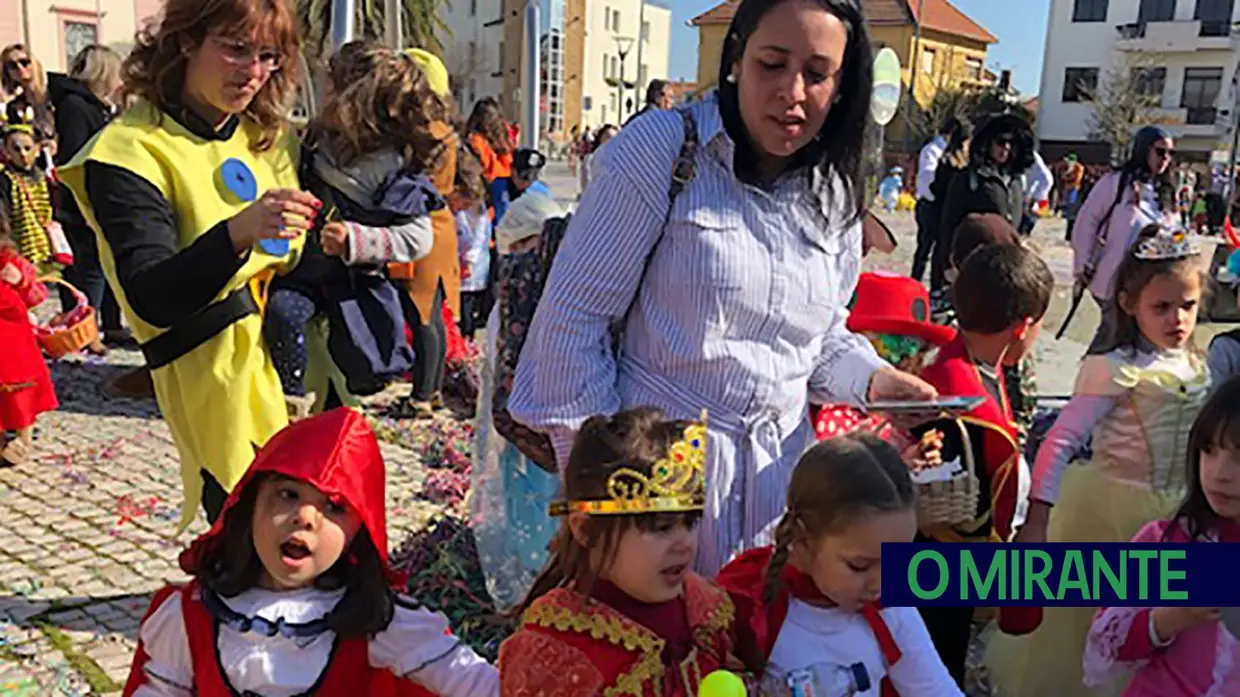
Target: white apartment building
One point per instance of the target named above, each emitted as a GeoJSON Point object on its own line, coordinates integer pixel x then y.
{"type": "Point", "coordinates": [473, 43]}
{"type": "Point", "coordinates": [1182, 52]}
{"type": "Point", "coordinates": [613, 28]}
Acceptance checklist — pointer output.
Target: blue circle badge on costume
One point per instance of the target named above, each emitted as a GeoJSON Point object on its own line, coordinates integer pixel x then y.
{"type": "Point", "coordinates": [240, 182]}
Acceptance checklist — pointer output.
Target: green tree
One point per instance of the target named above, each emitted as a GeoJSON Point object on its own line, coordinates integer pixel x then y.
{"type": "Point", "coordinates": [423, 23]}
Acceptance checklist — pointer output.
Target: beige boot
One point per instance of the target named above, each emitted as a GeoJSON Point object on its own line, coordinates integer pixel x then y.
{"type": "Point", "coordinates": [300, 407]}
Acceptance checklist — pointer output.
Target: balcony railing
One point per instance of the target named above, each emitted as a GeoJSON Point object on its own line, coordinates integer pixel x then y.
{"type": "Point", "coordinates": [1178, 32]}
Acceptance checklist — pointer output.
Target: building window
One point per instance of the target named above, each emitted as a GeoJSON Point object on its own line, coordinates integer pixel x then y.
{"type": "Point", "coordinates": [473, 56]}
{"type": "Point", "coordinates": [974, 67]}
{"type": "Point", "coordinates": [1202, 87]}
{"type": "Point", "coordinates": [927, 61]}
{"type": "Point", "coordinates": [1079, 84]}
{"type": "Point", "coordinates": [607, 18]}
{"type": "Point", "coordinates": [615, 66]}
{"type": "Point", "coordinates": [1089, 11]}
{"type": "Point", "coordinates": [77, 36]}
{"type": "Point", "coordinates": [473, 92]}
{"type": "Point", "coordinates": [606, 65]}
{"type": "Point", "coordinates": [1156, 11]}
{"type": "Point", "coordinates": [645, 31]}
{"type": "Point", "coordinates": [1149, 82]}
{"type": "Point", "coordinates": [615, 21]}
{"type": "Point", "coordinates": [1215, 16]}
{"type": "Point", "coordinates": [641, 75]}
{"type": "Point", "coordinates": [501, 56]}
{"type": "Point", "coordinates": [473, 8]}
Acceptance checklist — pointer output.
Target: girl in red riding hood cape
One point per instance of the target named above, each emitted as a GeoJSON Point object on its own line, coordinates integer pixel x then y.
{"type": "Point", "coordinates": [808, 614]}
{"type": "Point", "coordinates": [292, 592]}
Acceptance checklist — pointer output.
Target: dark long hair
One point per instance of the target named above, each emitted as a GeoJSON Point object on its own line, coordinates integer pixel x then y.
{"type": "Point", "coordinates": [636, 439]}
{"type": "Point", "coordinates": [232, 567]}
{"type": "Point", "coordinates": [839, 146]}
{"type": "Point", "coordinates": [1136, 170]}
{"type": "Point", "coordinates": [487, 120]}
{"type": "Point", "coordinates": [1217, 426]}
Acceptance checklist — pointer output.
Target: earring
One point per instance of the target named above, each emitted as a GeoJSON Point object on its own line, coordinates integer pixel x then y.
{"type": "Point", "coordinates": [731, 79]}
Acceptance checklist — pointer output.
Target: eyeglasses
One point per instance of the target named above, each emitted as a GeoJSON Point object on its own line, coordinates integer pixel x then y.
{"type": "Point", "coordinates": [1164, 152]}
{"type": "Point", "coordinates": [240, 53]}
{"type": "Point", "coordinates": [17, 63]}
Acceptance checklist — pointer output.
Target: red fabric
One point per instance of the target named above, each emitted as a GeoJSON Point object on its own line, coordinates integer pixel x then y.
{"type": "Point", "coordinates": [669, 620]}
{"type": "Point", "coordinates": [335, 451]}
{"type": "Point", "coordinates": [757, 623]}
{"type": "Point", "coordinates": [835, 420]}
{"type": "Point", "coordinates": [349, 666]}
{"type": "Point", "coordinates": [886, 303]}
{"type": "Point", "coordinates": [26, 388]}
{"type": "Point", "coordinates": [32, 291]}
{"type": "Point", "coordinates": [545, 661]}
{"type": "Point", "coordinates": [457, 351]}
{"type": "Point", "coordinates": [954, 374]}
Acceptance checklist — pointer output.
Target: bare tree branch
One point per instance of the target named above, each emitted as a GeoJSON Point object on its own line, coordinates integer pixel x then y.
{"type": "Point", "coordinates": [1126, 98]}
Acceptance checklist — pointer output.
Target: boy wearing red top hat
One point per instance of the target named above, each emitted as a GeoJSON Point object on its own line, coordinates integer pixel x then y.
{"type": "Point", "coordinates": [893, 312]}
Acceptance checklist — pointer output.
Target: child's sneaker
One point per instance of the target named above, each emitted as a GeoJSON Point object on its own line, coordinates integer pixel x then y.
{"type": "Point", "coordinates": [17, 448]}
{"type": "Point", "coordinates": [299, 407]}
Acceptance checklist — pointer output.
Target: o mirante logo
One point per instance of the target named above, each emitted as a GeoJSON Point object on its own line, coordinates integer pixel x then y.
{"type": "Point", "coordinates": [1064, 575]}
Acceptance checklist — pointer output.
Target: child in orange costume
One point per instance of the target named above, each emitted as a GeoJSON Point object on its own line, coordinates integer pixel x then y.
{"type": "Point", "coordinates": [292, 592]}
{"type": "Point", "coordinates": [618, 608]}
{"type": "Point", "coordinates": [25, 384]}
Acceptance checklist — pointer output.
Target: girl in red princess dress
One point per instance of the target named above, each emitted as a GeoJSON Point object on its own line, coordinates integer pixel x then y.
{"type": "Point", "coordinates": [618, 609]}
{"type": "Point", "coordinates": [291, 591]}
{"type": "Point", "coordinates": [25, 384]}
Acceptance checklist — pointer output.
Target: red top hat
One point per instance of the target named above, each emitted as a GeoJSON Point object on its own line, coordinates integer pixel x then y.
{"type": "Point", "coordinates": [891, 304]}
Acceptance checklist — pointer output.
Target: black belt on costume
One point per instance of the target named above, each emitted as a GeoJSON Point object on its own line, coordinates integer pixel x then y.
{"type": "Point", "coordinates": [196, 330]}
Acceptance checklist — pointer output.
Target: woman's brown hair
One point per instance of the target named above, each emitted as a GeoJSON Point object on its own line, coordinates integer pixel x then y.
{"type": "Point", "coordinates": [232, 567]}
{"type": "Point", "coordinates": [1131, 278]}
{"type": "Point", "coordinates": [636, 439]}
{"type": "Point", "coordinates": [470, 181]}
{"type": "Point", "coordinates": [381, 100]}
{"type": "Point", "coordinates": [487, 120]}
{"type": "Point", "coordinates": [836, 483]}
{"type": "Point", "coordinates": [155, 69]}
{"type": "Point", "coordinates": [40, 76]}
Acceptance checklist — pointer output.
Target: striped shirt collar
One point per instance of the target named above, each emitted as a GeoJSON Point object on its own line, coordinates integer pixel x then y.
{"type": "Point", "coordinates": [715, 139]}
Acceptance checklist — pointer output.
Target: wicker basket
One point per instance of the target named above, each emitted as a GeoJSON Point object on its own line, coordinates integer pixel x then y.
{"type": "Point", "coordinates": [68, 332]}
{"type": "Point", "coordinates": [954, 501]}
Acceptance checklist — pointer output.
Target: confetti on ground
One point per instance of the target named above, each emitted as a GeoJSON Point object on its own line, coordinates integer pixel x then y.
{"type": "Point", "coordinates": [129, 509]}
{"type": "Point", "coordinates": [445, 575]}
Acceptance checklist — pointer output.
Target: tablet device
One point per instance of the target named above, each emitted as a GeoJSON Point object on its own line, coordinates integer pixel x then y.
{"type": "Point", "coordinates": [943, 404]}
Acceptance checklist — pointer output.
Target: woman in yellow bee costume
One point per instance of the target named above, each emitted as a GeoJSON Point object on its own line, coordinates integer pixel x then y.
{"type": "Point", "coordinates": [193, 194]}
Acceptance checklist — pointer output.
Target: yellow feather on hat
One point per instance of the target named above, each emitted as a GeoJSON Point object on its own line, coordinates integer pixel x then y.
{"type": "Point", "coordinates": [433, 68]}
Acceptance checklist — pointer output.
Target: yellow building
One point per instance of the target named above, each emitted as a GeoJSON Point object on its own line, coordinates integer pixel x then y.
{"type": "Point", "coordinates": [952, 47]}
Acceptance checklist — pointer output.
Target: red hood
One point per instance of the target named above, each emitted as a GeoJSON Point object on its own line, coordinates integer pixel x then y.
{"type": "Point", "coordinates": [336, 452]}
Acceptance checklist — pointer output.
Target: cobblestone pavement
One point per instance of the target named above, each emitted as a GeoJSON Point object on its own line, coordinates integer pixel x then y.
{"type": "Point", "coordinates": [87, 530]}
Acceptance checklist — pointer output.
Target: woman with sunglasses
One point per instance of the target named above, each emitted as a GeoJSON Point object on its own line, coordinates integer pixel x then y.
{"type": "Point", "coordinates": [1000, 153]}
{"type": "Point", "coordinates": [193, 193]}
{"type": "Point", "coordinates": [1140, 192]}
{"type": "Point", "coordinates": [25, 82]}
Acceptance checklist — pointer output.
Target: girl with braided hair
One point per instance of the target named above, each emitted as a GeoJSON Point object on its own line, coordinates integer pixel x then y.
{"type": "Point", "coordinates": [808, 613]}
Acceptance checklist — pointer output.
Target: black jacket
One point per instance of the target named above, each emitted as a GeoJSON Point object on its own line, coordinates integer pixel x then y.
{"type": "Point", "coordinates": [79, 116]}
{"type": "Point", "coordinates": [984, 187]}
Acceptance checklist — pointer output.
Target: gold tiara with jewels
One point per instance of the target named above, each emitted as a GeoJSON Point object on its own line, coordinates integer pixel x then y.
{"type": "Point", "coordinates": [1168, 244]}
{"type": "Point", "coordinates": [676, 483]}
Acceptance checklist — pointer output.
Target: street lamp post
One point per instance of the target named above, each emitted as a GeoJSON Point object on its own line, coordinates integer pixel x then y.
{"type": "Point", "coordinates": [624, 44]}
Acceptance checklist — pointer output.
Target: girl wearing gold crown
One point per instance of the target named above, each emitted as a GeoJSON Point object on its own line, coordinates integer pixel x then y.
{"type": "Point", "coordinates": [619, 608]}
{"type": "Point", "coordinates": [1138, 397]}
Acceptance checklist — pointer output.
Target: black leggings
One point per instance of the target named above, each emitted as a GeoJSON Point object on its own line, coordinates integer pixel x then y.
{"type": "Point", "coordinates": [430, 346]}
{"type": "Point", "coordinates": [926, 215]}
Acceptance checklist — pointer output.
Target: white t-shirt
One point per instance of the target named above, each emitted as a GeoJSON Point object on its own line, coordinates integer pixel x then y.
{"type": "Point", "coordinates": [828, 642]}
{"type": "Point", "coordinates": [415, 645]}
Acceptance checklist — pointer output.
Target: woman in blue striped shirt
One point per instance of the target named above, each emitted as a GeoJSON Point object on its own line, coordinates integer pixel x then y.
{"type": "Point", "coordinates": [734, 294]}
